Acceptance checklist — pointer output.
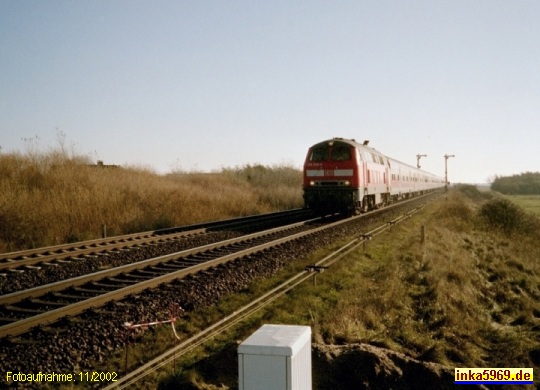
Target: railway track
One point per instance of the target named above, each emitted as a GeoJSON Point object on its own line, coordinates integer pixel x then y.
{"type": "Point", "coordinates": [33, 315]}
{"type": "Point", "coordinates": [54, 255]}
{"type": "Point", "coordinates": [42, 305]}
{"type": "Point", "coordinates": [21, 311]}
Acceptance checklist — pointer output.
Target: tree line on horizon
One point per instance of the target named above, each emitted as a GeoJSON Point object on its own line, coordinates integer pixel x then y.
{"type": "Point", "coordinates": [527, 183]}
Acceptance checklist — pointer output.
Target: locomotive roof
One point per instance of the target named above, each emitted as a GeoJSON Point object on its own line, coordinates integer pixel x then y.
{"type": "Point", "coordinates": [351, 142]}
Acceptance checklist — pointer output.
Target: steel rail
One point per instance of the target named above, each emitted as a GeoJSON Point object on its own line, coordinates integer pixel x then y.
{"type": "Point", "coordinates": [249, 309]}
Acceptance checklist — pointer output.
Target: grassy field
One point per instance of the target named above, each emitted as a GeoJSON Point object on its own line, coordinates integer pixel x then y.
{"type": "Point", "coordinates": [53, 198]}
{"type": "Point", "coordinates": [468, 297]}
{"type": "Point", "coordinates": [530, 203]}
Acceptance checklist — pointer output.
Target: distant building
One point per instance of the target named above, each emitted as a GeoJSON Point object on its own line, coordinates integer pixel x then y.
{"type": "Point", "coordinates": [100, 164]}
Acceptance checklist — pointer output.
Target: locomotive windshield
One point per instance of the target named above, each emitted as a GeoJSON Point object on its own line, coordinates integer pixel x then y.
{"type": "Point", "coordinates": [341, 152]}
{"type": "Point", "coordinates": [319, 153]}
{"type": "Point", "coordinates": [335, 151]}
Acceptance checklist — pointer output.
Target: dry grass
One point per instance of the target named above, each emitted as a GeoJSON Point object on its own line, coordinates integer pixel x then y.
{"type": "Point", "coordinates": [48, 199]}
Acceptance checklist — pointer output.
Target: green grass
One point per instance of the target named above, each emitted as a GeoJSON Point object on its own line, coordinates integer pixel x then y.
{"type": "Point", "coordinates": [530, 203]}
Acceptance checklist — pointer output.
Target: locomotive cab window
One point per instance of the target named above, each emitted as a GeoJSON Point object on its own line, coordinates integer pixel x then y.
{"type": "Point", "coordinates": [319, 153]}
{"type": "Point", "coordinates": [341, 152]}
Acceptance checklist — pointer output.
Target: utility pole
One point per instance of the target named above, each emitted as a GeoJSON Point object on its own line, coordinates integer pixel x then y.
{"type": "Point", "coordinates": [446, 157]}
{"type": "Point", "coordinates": [418, 156]}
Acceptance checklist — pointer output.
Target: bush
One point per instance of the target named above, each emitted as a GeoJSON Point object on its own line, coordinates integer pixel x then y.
{"type": "Point", "coordinates": [506, 217]}
{"type": "Point", "coordinates": [472, 192]}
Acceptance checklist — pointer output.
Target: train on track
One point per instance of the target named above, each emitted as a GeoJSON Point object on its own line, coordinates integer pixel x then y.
{"type": "Point", "coordinates": [342, 175]}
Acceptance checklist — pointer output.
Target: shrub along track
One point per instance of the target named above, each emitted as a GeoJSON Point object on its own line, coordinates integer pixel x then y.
{"type": "Point", "coordinates": [75, 343]}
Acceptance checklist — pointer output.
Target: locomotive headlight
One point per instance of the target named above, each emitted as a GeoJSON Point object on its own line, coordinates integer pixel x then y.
{"type": "Point", "coordinates": [347, 183]}
{"type": "Point", "coordinates": [312, 183]}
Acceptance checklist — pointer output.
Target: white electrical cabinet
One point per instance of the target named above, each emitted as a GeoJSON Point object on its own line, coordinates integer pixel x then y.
{"type": "Point", "coordinates": [276, 357]}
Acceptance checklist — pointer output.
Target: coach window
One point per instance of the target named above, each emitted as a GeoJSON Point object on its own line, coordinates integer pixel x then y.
{"type": "Point", "coordinates": [319, 153]}
{"type": "Point", "coordinates": [341, 152]}
{"type": "Point", "coordinates": [367, 156]}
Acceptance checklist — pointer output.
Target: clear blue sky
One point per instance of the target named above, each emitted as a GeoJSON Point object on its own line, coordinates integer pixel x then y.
{"type": "Point", "coordinates": [201, 85]}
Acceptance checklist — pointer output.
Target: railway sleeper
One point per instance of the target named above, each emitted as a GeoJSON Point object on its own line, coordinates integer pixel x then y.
{"type": "Point", "coordinates": [173, 266]}
{"type": "Point", "coordinates": [203, 256]}
{"type": "Point", "coordinates": [117, 251]}
{"type": "Point", "coordinates": [148, 272]}
{"type": "Point", "coordinates": [197, 260]}
{"type": "Point", "coordinates": [163, 268]}
{"type": "Point", "coordinates": [69, 296]}
{"type": "Point", "coordinates": [125, 280]}
{"type": "Point", "coordinates": [24, 310]}
{"type": "Point", "coordinates": [38, 301]}
{"type": "Point", "coordinates": [169, 267]}
{"type": "Point", "coordinates": [104, 285]}
{"type": "Point", "coordinates": [122, 282]}
{"type": "Point", "coordinates": [135, 275]}
{"type": "Point", "coordinates": [8, 320]}
{"type": "Point", "coordinates": [77, 258]}
{"type": "Point", "coordinates": [185, 263]}
{"type": "Point", "coordinates": [86, 290]}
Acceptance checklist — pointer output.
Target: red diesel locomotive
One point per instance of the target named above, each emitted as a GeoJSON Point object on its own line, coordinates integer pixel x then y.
{"type": "Point", "coordinates": [344, 175]}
